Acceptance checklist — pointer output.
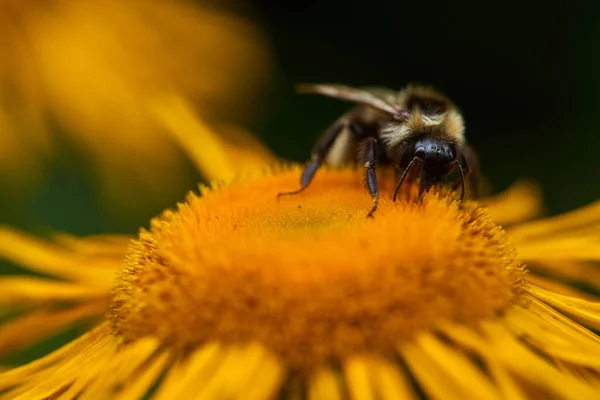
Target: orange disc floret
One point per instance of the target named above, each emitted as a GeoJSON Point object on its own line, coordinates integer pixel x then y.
{"type": "Point", "coordinates": [309, 276]}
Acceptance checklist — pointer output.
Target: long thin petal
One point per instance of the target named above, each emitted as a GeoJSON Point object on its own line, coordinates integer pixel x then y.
{"type": "Point", "coordinates": [121, 368]}
{"type": "Point", "coordinates": [432, 360]}
{"type": "Point", "coordinates": [233, 375]}
{"type": "Point", "coordinates": [500, 347]}
{"type": "Point", "coordinates": [585, 219]}
{"type": "Point", "coordinates": [570, 248]}
{"type": "Point", "coordinates": [557, 286]}
{"type": "Point", "coordinates": [219, 154]}
{"type": "Point", "coordinates": [35, 326]}
{"type": "Point", "coordinates": [23, 289]}
{"type": "Point", "coordinates": [110, 245]}
{"type": "Point", "coordinates": [93, 339]}
{"type": "Point", "coordinates": [555, 335]}
{"type": "Point", "coordinates": [576, 272]}
{"type": "Point", "coordinates": [587, 311]}
{"type": "Point", "coordinates": [390, 382]}
{"type": "Point", "coordinates": [434, 381]}
{"type": "Point", "coordinates": [520, 202]}
{"type": "Point", "coordinates": [358, 379]}
{"type": "Point", "coordinates": [50, 259]}
{"type": "Point", "coordinates": [266, 381]}
{"type": "Point", "coordinates": [372, 377]}
{"type": "Point", "coordinates": [98, 367]}
{"type": "Point", "coordinates": [139, 387]}
{"type": "Point", "coordinates": [184, 374]}
{"type": "Point", "coordinates": [324, 384]}
{"type": "Point", "coordinates": [506, 383]}
{"type": "Point", "coordinates": [532, 367]}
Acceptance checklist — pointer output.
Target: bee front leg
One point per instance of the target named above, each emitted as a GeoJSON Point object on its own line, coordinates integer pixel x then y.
{"type": "Point", "coordinates": [368, 155]}
{"type": "Point", "coordinates": [319, 153]}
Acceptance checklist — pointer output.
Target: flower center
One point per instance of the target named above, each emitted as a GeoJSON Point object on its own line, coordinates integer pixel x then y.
{"type": "Point", "coordinates": [309, 276]}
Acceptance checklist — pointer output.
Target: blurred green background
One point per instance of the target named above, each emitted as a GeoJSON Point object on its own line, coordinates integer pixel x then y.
{"type": "Point", "coordinates": [525, 74]}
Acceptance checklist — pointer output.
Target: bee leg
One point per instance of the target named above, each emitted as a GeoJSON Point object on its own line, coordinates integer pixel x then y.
{"type": "Point", "coordinates": [309, 172]}
{"type": "Point", "coordinates": [319, 153]}
{"type": "Point", "coordinates": [369, 152]}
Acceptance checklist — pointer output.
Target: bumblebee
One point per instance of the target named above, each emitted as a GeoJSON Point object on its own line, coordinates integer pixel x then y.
{"type": "Point", "coordinates": [414, 128]}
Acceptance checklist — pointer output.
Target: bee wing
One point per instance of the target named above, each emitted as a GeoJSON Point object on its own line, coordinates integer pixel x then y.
{"type": "Point", "coordinates": [351, 94]}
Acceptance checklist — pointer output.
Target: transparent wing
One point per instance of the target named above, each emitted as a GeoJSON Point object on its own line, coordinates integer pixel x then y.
{"type": "Point", "coordinates": [379, 98]}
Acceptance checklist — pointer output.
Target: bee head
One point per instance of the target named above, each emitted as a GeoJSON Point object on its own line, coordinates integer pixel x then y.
{"type": "Point", "coordinates": [435, 151]}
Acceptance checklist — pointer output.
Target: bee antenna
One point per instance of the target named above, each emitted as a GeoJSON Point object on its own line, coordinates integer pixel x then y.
{"type": "Point", "coordinates": [404, 175]}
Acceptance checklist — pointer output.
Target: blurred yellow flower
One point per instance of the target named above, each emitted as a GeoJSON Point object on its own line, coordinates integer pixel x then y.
{"type": "Point", "coordinates": [234, 294]}
{"type": "Point", "coordinates": [89, 69]}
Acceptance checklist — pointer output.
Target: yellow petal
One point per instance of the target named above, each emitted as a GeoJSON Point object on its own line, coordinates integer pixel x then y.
{"type": "Point", "coordinates": [556, 286]}
{"type": "Point", "coordinates": [121, 368]}
{"type": "Point", "coordinates": [358, 379]}
{"type": "Point", "coordinates": [38, 290]}
{"type": "Point", "coordinates": [555, 335]}
{"type": "Point", "coordinates": [448, 370]}
{"type": "Point", "coordinates": [506, 383]}
{"type": "Point", "coordinates": [90, 66]}
{"type": "Point", "coordinates": [36, 326]}
{"type": "Point", "coordinates": [232, 377]}
{"type": "Point", "coordinates": [520, 202]}
{"type": "Point", "coordinates": [267, 380]}
{"type": "Point", "coordinates": [584, 221]}
{"type": "Point", "coordinates": [587, 311]}
{"type": "Point", "coordinates": [138, 387]}
{"type": "Point", "coordinates": [433, 379]}
{"type": "Point", "coordinates": [95, 339]}
{"type": "Point", "coordinates": [50, 259]}
{"type": "Point", "coordinates": [218, 153]}
{"type": "Point", "coordinates": [325, 385]}
{"type": "Point", "coordinates": [390, 381]}
{"type": "Point", "coordinates": [183, 376]}
{"type": "Point", "coordinates": [109, 245]}
{"type": "Point", "coordinates": [532, 367]}
{"type": "Point", "coordinates": [560, 249]}
{"type": "Point", "coordinates": [573, 271]}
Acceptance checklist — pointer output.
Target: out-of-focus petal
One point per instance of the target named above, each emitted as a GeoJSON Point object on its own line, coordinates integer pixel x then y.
{"type": "Point", "coordinates": [90, 66]}
{"type": "Point", "coordinates": [520, 202]}
{"type": "Point", "coordinates": [218, 153]}
{"type": "Point", "coordinates": [50, 259]}
{"type": "Point", "coordinates": [36, 326]}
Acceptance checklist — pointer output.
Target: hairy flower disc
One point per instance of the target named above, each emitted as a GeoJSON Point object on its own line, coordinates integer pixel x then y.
{"type": "Point", "coordinates": [309, 276]}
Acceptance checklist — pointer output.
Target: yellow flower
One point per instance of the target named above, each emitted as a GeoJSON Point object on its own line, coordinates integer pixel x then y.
{"type": "Point", "coordinates": [234, 294]}
{"type": "Point", "coordinates": [91, 67]}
